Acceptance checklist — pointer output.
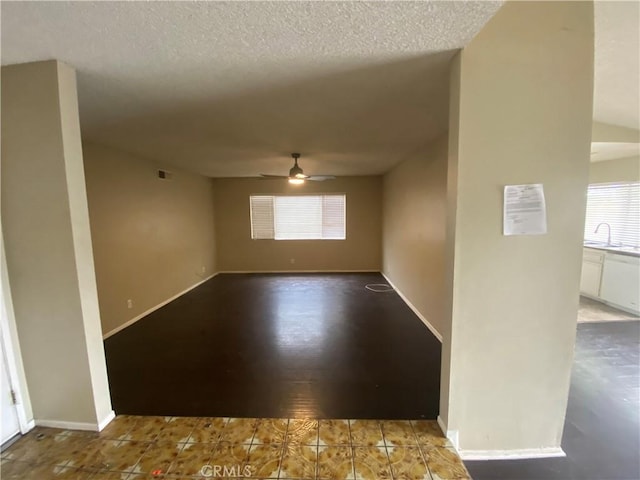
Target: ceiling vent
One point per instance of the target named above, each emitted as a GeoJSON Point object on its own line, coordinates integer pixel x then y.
{"type": "Point", "coordinates": [165, 175]}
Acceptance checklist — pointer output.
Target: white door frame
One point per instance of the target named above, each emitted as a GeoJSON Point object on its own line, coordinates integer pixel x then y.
{"type": "Point", "coordinates": [11, 348]}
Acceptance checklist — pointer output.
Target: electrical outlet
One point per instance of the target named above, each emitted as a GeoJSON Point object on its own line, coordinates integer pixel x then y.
{"type": "Point", "coordinates": [293, 260]}
{"type": "Point", "coordinates": [129, 303]}
{"type": "Point", "coordinates": [203, 269]}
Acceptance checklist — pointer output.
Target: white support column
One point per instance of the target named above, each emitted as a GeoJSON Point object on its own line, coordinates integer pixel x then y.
{"type": "Point", "coordinates": [521, 113]}
{"type": "Point", "coordinates": [45, 222]}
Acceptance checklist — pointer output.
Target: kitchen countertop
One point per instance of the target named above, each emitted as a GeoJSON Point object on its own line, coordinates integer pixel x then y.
{"type": "Point", "coordinates": [631, 251]}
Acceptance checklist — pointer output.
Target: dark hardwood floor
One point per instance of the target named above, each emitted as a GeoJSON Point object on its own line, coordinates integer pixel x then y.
{"type": "Point", "coordinates": [278, 345]}
{"type": "Point", "coordinates": [602, 428]}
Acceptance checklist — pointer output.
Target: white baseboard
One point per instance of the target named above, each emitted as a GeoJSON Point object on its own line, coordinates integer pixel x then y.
{"type": "Point", "coordinates": [106, 420]}
{"type": "Point", "coordinates": [630, 311]}
{"type": "Point", "coordinates": [153, 309]}
{"type": "Point", "coordinates": [452, 435]}
{"type": "Point", "coordinates": [92, 427]}
{"type": "Point", "coordinates": [299, 271]}
{"type": "Point", "coordinates": [414, 309]}
{"type": "Point", "coordinates": [511, 454]}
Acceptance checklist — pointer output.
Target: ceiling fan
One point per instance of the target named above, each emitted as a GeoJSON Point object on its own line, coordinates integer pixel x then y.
{"type": "Point", "coordinates": [296, 175]}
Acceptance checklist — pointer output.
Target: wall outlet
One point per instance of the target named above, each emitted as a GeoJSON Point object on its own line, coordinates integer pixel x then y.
{"type": "Point", "coordinates": [293, 260]}
{"type": "Point", "coordinates": [129, 303]}
{"type": "Point", "coordinates": [203, 269]}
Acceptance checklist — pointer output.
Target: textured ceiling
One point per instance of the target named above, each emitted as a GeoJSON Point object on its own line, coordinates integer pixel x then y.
{"type": "Point", "coordinates": [617, 63]}
{"type": "Point", "coordinates": [231, 88]}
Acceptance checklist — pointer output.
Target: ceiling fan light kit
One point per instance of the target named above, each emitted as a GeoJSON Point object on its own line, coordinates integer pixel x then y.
{"type": "Point", "coordinates": [296, 175]}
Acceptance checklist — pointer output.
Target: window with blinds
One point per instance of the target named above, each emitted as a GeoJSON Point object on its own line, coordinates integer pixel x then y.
{"type": "Point", "coordinates": [619, 206]}
{"type": "Point", "coordinates": [298, 217]}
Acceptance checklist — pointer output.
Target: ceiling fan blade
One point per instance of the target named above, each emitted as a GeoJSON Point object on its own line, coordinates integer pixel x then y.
{"type": "Point", "coordinates": [263, 175]}
{"type": "Point", "coordinates": [320, 178]}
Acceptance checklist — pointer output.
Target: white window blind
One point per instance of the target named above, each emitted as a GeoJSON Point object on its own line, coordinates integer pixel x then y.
{"type": "Point", "coordinates": [619, 206]}
{"type": "Point", "coordinates": [298, 217]}
{"type": "Point", "coordinates": [261, 217]}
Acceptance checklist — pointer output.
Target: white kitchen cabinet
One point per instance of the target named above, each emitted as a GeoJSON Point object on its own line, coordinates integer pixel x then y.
{"type": "Point", "coordinates": [620, 286]}
{"type": "Point", "coordinates": [590, 279]}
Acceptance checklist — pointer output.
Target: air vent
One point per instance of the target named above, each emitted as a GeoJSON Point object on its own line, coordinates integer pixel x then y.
{"type": "Point", "coordinates": [165, 175]}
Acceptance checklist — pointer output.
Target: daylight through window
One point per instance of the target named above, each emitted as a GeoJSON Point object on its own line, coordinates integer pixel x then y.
{"type": "Point", "coordinates": [298, 217]}
{"type": "Point", "coordinates": [617, 205]}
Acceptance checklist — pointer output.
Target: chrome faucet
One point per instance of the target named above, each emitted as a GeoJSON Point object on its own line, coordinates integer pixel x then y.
{"type": "Point", "coordinates": [608, 228]}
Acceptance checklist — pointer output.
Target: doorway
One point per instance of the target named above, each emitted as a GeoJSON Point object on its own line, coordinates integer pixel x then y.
{"type": "Point", "coordinates": [10, 424]}
{"type": "Point", "coordinates": [13, 395]}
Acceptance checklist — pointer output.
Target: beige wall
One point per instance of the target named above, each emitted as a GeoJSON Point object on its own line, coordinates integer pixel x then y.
{"type": "Point", "coordinates": [49, 255]}
{"type": "Point", "coordinates": [152, 238]}
{"type": "Point", "coordinates": [11, 345]}
{"type": "Point", "coordinates": [525, 103]}
{"type": "Point", "coordinates": [414, 213]}
{"type": "Point", "coordinates": [604, 132]}
{"type": "Point", "coordinates": [238, 252]}
{"type": "Point", "coordinates": [619, 170]}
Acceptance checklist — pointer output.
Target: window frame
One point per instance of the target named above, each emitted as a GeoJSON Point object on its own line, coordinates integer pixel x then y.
{"type": "Point", "coordinates": [274, 215]}
{"type": "Point", "coordinates": [624, 227]}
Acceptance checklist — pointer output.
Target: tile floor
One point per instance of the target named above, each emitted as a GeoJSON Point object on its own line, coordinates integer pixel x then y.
{"type": "Point", "coordinates": [134, 447]}
{"type": "Point", "coordinates": [593, 311]}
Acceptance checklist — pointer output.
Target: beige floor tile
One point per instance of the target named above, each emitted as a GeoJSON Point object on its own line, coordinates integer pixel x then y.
{"type": "Point", "coordinates": [371, 463]}
{"type": "Point", "coordinates": [335, 463]}
{"type": "Point", "coordinates": [50, 446]}
{"type": "Point", "coordinates": [66, 448]}
{"type": "Point", "coordinates": [11, 469]}
{"type": "Point", "coordinates": [278, 448]}
{"type": "Point", "coordinates": [302, 432]}
{"type": "Point", "coordinates": [444, 464]}
{"type": "Point", "coordinates": [119, 427]}
{"type": "Point", "coordinates": [63, 452]}
{"type": "Point", "coordinates": [87, 456]}
{"type": "Point", "coordinates": [264, 460]}
{"type": "Point", "coordinates": [271, 430]}
{"type": "Point", "coordinates": [111, 455]}
{"type": "Point", "coordinates": [407, 464]}
{"type": "Point", "coordinates": [398, 433]}
{"type": "Point", "coordinates": [144, 476]}
{"type": "Point", "coordinates": [85, 435]}
{"type": "Point", "coordinates": [114, 476]}
{"type": "Point", "coordinates": [177, 429]}
{"type": "Point", "coordinates": [158, 457]}
{"type": "Point", "coordinates": [207, 430]}
{"type": "Point", "coordinates": [298, 461]}
{"type": "Point", "coordinates": [146, 428]}
{"type": "Point", "coordinates": [366, 433]}
{"type": "Point", "coordinates": [191, 459]}
{"type": "Point", "coordinates": [230, 454]}
{"type": "Point", "coordinates": [239, 430]}
{"type": "Point", "coordinates": [54, 472]}
{"type": "Point", "coordinates": [334, 432]}
{"type": "Point", "coordinates": [428, 433]}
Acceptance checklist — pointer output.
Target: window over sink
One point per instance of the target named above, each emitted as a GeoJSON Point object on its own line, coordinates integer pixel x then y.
{"type": "Point", "coordinates": [613, 214]}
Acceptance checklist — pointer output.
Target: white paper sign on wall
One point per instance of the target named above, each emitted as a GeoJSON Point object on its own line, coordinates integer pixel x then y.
{"type": "Point", "coordinates": [525, 212]}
